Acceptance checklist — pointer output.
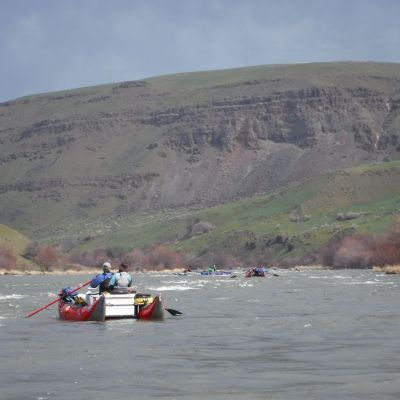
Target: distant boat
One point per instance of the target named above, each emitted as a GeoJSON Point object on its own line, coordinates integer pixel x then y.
{"type": "Point", "coordinates": [215, 272]}
{"type": "Point", "coordinates": [255, 272]}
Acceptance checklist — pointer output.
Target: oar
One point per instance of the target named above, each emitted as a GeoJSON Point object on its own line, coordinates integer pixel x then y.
{"type": "Point", "coordinates": [267, 272]}
{"type": "Point", "coordinates": [173, 312]}
{"type": "Point", "coordinates": [241, 273]}
{"type": "Point", "coordinates": [54, 301]}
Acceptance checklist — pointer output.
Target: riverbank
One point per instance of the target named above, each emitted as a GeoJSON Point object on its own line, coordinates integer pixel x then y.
{"type": "Point", "coordinates": [75, 271]}
{"type": "Point", "coordinates": [388, 269]}
{"type": "Point", "coordinates": [81, 270]}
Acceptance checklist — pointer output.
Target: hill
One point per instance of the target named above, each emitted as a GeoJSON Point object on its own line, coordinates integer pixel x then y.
{"type": "Point", "coordinates": [81, 164]}
{"type": "Point", "coordinates": [12, 248]}
{"type": "Point", "coordinates": [292, 224]}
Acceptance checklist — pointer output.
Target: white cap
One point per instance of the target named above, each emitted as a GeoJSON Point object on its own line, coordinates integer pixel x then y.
{"type": "Point", "coordinates": [107, 267]}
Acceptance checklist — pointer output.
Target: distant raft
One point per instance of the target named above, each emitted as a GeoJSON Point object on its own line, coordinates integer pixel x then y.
{"type": "Point", "coordinates": [255, 272]}
{"type": "Point", "coordinates": [216, 273]}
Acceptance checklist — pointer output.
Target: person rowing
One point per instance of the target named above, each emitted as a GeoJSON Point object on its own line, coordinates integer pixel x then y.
{"type": "Point", "coordinates": [102, 280]}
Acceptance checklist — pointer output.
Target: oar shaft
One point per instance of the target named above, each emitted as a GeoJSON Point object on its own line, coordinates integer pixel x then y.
{"type": "Point", "coordinates": [55, 301]}
{"type": "Point", "coordinates": [41, 308]}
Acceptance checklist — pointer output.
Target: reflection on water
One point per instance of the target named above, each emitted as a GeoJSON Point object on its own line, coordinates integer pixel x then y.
{"type": "Point", "coordinates": [302, 335]}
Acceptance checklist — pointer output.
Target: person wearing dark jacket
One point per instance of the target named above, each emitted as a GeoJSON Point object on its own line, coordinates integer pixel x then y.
{"type": "Point", "coordinates": [102, 280]}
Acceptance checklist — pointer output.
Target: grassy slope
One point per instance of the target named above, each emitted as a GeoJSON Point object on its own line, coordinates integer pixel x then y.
{"type": "Point", "coordinates": [116, 154]}
{"type": "Point", "coordinates": [292, 74]}
{"type": "Point", "coordinates": [372, 190]}
{"type": "Point", "coordinates": [17, 242]}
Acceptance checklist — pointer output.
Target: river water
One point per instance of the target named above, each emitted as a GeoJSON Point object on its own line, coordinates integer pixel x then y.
{"type": "Point", "coordinates": [300, 335]}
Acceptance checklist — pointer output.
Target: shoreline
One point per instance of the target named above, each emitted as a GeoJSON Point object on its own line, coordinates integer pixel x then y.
{"type": "Point", "coordinates": [389, 269]}
{"type": "Point", "coordinates": [80, 271]}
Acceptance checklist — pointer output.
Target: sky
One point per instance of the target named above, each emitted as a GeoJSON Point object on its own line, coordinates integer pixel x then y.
{"type": "Point", "coordinates": [52, 45]}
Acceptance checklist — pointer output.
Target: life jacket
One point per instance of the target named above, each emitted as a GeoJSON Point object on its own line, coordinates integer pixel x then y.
{"type": "Point", "coordinates": [123, 279]}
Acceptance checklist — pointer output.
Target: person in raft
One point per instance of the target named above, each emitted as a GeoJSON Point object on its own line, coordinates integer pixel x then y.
{"type": "Point", "coordinates": [212, 269]}
{"type": "Point", "coordinates": [121, 281]}
{"type": "Point", "coordinates": [103, 280]}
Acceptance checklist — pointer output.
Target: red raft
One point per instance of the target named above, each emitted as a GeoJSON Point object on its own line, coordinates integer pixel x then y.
{"type": "Point", "coordinates": [152, 311]}
{"type": "Point", "coordinates": [109, 306]}
{"type": "Point", "coordinates": [255, 272]}
{"type": "Point", "coordinates": [77, 312]}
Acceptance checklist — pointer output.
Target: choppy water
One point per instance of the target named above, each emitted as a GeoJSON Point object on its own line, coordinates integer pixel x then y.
{"type": "Point", "coordinates": [302, 335]}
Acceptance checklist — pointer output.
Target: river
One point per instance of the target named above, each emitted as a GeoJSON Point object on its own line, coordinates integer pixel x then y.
{"type": "Point", "coordinates": [300, 335]}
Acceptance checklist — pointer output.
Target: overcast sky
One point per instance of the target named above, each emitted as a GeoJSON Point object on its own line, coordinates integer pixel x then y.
{"type": "Point", "coordinates": [51, 45]}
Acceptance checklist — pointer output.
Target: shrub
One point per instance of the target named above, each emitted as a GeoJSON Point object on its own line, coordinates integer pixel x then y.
{"type": "Point", "coordinates": [7, 257]}
{"type": "Point", "coordinates": [161, 257]}
{"type": "Point", "coordinates": [46, 257]}
{"type": "Point", "coordinates": [362, 251]}
{"type": "Point", "coordinates": [93, 258]}
{"type": "Point", "coordinates": [137, 260]}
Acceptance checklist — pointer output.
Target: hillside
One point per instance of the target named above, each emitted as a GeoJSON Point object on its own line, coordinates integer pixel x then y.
{"type": "Point", "coordinates": [12, 247]}
{"type": "Point", "coordinates": [291, 223]}
{"type": "Point", "coordinates": [110, 153]}
{"type": "Point", "coordinates": [289, 226]}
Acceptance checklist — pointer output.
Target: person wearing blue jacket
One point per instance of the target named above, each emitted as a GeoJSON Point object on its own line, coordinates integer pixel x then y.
{"type": "Point", "coordinates": [103, 280]}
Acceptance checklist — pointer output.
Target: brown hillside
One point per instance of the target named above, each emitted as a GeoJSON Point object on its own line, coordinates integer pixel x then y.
{"type": "Point", "coordinates": [190, 140]}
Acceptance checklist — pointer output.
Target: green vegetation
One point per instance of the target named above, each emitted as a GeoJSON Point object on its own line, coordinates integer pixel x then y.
{"type": "Point", "coordinates": [291, 222]}
{"type": "Point", "coordinates": [296, 72]}
{"type": "Point", "coordinates": [12, 246]}
{"type": "Point", "coordinates": [14, 238]}
{"type": "Point", "coordinates": [102, 171]}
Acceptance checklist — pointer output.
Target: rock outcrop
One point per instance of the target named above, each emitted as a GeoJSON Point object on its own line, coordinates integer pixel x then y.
{"type": "Point", "coordinates": [190, 140]}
